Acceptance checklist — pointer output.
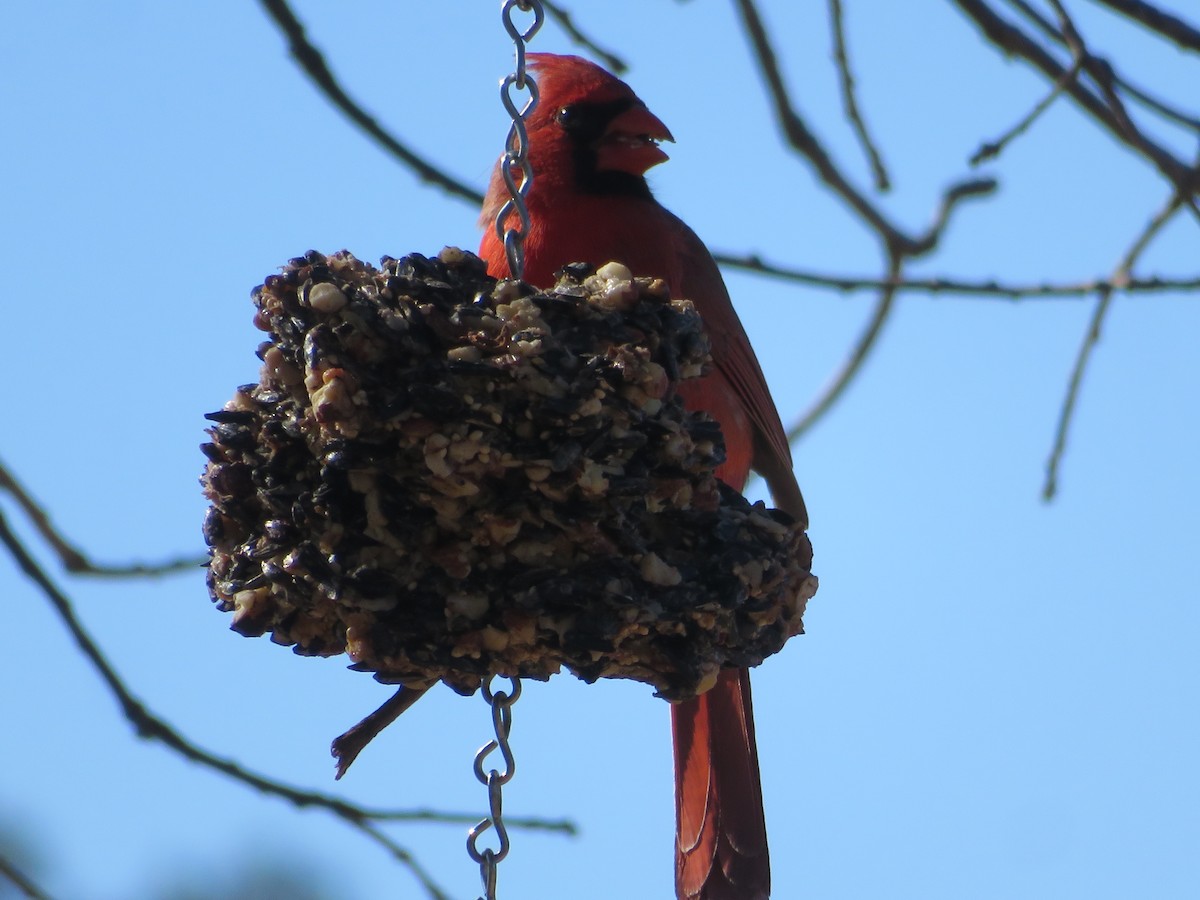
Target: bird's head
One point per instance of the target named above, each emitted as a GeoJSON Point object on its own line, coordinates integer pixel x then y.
{"type": "Point", "coordinates": [591, 121]}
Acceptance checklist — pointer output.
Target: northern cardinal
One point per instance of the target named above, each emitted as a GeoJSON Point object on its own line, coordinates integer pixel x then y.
{"type": "Point", "coordinates": [591, 140]}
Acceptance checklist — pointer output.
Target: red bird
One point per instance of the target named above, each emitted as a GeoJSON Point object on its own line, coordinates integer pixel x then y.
{"type": "Point", "coordinates": [591, 141]}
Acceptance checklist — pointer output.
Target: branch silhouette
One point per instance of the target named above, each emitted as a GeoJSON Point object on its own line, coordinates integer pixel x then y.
{"type": "Point", "coordinates": [1091, 337]}
{"type": "Point", "coordinates": [313, 63]}
{"type": "Point", "coordinates": [150, 726]}
{"type": "Point", "coordinates": [858, 355]}
{"type": "Point", "coordinates": [850, 98]}
{"type": "Point", "coordinates": [22, 882]}
{"type": "Point", "coordinates": [1104, 108]}
{"type": "Point", "coordinates": [72, 558]}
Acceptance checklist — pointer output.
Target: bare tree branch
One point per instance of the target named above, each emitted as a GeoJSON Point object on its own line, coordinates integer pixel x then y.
{"type": "Point", "coordinates": [313, 63]}
{"type": "Point", "coordinates": [1158, 106]}
{"type": "Point", "coordinates": [1152, 17]}
{"type": "Point", "coordinates": [149, 726]}
{"type": "Point", "coordinates": [801, 138]}
{"type": "Point", "coordinates": [21, 881]}
{"type": "Point", "coordinates": [992, 149]}
{"type": "Point", "coordinates": [1011, 40]}
{"type": "Point", "coordinates": [940, 286]}
{"type": "Point", "coordinates": [804, 141]}
{"type": "Point", "coordinates": [951, 197]}
{"type": "Point", "coordinates": [1101, 73]}
{"type": "Point", "coordinates": [560, 15]}
{"type": "Point", "coordinates": [1141, 96]}
{"type": "Point", "coordinates": [858, 355]}
{"type": "Point", "coordinates": [850, 101]}
{"type": "Point", "coordinates": [71, 557]}
{"type": "Point", "coordinates": [1092, 337]}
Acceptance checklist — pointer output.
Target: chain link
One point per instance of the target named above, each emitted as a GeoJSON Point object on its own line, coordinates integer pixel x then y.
{"type": "Point", "coordinates": [494, 779]}
{"type": "Point", "coordinates": [516, 145]}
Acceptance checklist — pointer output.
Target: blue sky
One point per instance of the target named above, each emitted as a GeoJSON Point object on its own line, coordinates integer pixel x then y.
{"type": "Point", "coordinates": [995, 697]}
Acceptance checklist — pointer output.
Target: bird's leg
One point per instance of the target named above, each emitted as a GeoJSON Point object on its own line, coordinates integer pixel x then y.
{"type": "Point", "coordinates": [346, 747]}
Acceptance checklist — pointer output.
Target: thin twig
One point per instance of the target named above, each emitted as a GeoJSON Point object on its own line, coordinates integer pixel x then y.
{"type": "Point", "coordinates": [312, 62]}
{"type": "Point", "coordinates": [947, 203]}
{"type": "Point", "coordinates": [858, 355]}
{"type": "Point", "coordinates": [939, 286]}
{"type": "Point", "coordinates": [1141, 96]}
{"type": "Point", "coordinates": [610, 59]}
{"type": "Point", "coordinates": [994, 148]}
{"type": "Point", "coordinates": [805, 142]}
{"type": "Point", "coordinates": [850, 100]}
{"type": "Point", "coordinates": [1100, 70]}
{"type": "Point", "coordinates": [1012, 41]}
{"type": "Point", "coordinates": [151, 727]}
{"type": "Point", "coordinates": [1104, 75]}
{"type": "Point", "coordinates": [800, 137]}
{"type": "Point", "coordinates": [1091, 338]}
{"type": "Point", "coordinates": [72, 558]}
{"type": "Point", "coordinates": [1106, 80]}
{"type": "Point", "coordinates": [22, 882]}
{"type": "Point", "coordinates": [1152, 103]}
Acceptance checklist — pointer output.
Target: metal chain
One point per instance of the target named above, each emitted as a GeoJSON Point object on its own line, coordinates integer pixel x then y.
{"type": "Point", "coordinates": [516, 157]}
{"type": "Point", "coordinates": [516, 145]}
{"type": "Point", "coordinates": [501, 704]}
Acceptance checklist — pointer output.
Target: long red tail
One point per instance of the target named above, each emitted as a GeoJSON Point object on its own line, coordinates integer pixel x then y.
{"type": "Point", "coordinates": [720, 830]}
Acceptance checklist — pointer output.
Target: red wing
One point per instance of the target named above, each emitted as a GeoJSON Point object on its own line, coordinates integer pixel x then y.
{"type": "Point", "coordinates": [700, 281]}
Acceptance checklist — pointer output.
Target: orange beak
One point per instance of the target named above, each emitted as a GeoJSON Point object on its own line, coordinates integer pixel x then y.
{"type": "Point", "coordinates": [630, 143]}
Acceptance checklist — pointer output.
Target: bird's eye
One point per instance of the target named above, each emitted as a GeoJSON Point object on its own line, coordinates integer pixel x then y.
{"type": "Point", "coordinates": [567, 116]}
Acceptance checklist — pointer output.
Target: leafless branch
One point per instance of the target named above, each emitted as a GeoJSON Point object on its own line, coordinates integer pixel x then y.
{"type": "Point", "coordinates": [1092, 337]}
{"type": "Point", "coordinates": [72, 558]}
{"type": "Point", "coordinates": [1155, 19]}
{"type": "Point", "coordinates": [1155, 105]}
{"type": "Point", "coordinates": [21, 881]}
{"type": "Point", "coordinates": [149, 726]}
{"type": "Point", "coordinates": [954, 286]}
{"type": "Point", "coordinates": [1140, 95]}
{"type": "Point", "coordinates": [858, 355]}
{"type": "Point", "coordinates": [1101, 73]}
{"type": "Point", "coordinates": [1013, 41]}
{"type": "Point", "coordinates": [801, 137]}
{"type": "Point", "coordinates": [312, 62]}
{"type": "Point", "coordinates": [994, 148]}
{"type": "Point", "coordinates": [947, 203]}
{"type": "Point", "coordinates": [804, 141]}
{"type": "Point", "coordinates": [560, 15]}
{"type": "Point", "coordinates": [850, 100]}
